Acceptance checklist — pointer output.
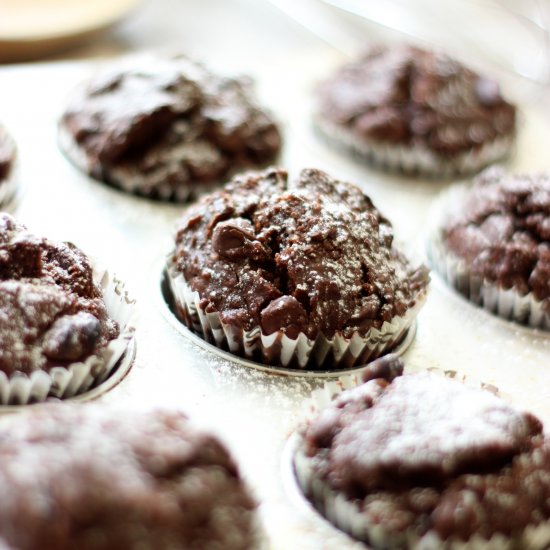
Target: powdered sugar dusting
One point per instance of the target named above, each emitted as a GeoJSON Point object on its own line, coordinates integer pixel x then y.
{"type": "Point", "coordinates": [451, 429]}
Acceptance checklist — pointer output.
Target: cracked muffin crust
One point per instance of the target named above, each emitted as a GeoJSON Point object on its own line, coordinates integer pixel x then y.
{"type": "Point", "coordinates": [167, 128]}
{"type": "Point", "coordinates": [51, 311]}
{"type": "Point", "coordinates": [416, 111]}
{"type": "Point", "coordinates": [89, 477]}
{"type": "Point", "coordinates": [425, 460]}
{"type": "Point", "coordinates": [310, 256]}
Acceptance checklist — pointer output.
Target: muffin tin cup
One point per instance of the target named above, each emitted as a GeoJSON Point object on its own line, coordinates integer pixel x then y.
{"type": "Point", "coordinates": [338, 353]}
{"type": "Point", "coordinates": [64, 382]}
{"type": "Point", "coordinates": [310, 491]}
{"type": "Point", "coordinates": [416, 159]}
{"type": "Point", "coordinates": [126, 181]}
{"type": "Point", "coordinates": [505, 303]}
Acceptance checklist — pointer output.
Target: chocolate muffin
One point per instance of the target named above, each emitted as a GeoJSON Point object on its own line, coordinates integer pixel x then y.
{"type": "Point", "coordinates": [294, 272]}
{"type": "Point", "coordinates": [52, 315]}
{"type": "Point", "coordinates": [88, 477]}
{"type": "Point", "coordinates": [494, 245]}
{"type": "Point", "coordinates": [427, 462]}
{"type": "Point", "coordinates": [415, 111]}
{"type": "Point", "coordinates": [166, 128]}
{"type": "Point", "coordinates": [8, 156]}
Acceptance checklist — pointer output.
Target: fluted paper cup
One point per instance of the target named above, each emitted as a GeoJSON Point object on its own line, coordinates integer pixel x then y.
{"type": "Point", "coordinates": [414, 159]}
{"type": "Point", "coordinates": [321, 353]}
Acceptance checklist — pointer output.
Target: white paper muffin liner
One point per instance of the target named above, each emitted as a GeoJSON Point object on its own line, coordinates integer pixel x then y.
{"type": "Point", "coordinates": [9, 186]}
{"type": "Point", "coordinates": [415, 160]}
{"type": "Point", "coordinates": [64, 382]}
{"type": "Point", "coordinates": [346, 515]}
{"type": "Point", "coordinates": [125, 179]}
{"type": "Point", "coordinates": [277, 348]}
{"type": "Point", "coordinates": [506, 303]}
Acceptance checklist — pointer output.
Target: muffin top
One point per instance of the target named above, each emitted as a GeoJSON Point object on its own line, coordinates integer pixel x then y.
{"type": "Point", "coordinates": [309, 255]}
{"type": "Point", "coordinates": [88, 477]}
{"type": "Point", "coordinates": [51, 311]}
{"type": "Point", "coordinates": [169, 121]}
{"type": "Point", "coordinates": [409, 96]}
{"type": "Point", "coordinates": [7, 154]}
{"type": "Point", "coordinates": [502, 231]}
{"type": "Point", "coordinates": [421, 447]}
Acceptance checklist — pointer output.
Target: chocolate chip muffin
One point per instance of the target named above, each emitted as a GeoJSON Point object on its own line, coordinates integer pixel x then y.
{"type": "Point", "coordinates": [427, 462]}
{"type": "Point", "coordinates": [416, 111]}
{"type": "Point", "coordinates": [52, 315]}
{"type": "Point", "coordinates": [8, 156]}
{"type": "Point", "coordinates": [88, 477]}
{"type": "Point", "coordinates": [296, 272]}
{"type": "Point", "coordinates": [494, 244]}
{"type": "Point", "coordinates": [166, 128]}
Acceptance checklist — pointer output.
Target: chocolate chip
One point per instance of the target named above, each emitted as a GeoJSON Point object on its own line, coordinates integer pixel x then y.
{"type": "Point", "coordinates": [285, 313]}
{"type": "Point", "coordinates": [235, 239]}
{"type": "Point", "coordinates": [72, 337]}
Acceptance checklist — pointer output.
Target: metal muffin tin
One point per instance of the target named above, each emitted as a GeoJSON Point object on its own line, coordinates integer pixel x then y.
{"type": "Point", "coordinates": [252, 410]}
